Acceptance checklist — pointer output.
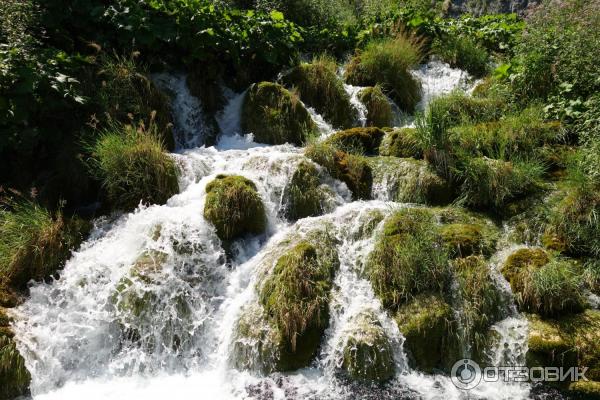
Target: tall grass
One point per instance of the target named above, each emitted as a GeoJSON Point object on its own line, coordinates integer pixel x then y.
{"type": "Point", "coordinates": [133, 167]}
{"type": "Point", "coordinates": [462, 52]}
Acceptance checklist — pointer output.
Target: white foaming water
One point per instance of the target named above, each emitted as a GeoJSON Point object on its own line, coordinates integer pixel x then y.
{"type": "Point", "coordinates": [165, 327]}
{"type": "Point", "coordinates": [361, 110]}
{"type": "Point", "coordinates": [438, 78]}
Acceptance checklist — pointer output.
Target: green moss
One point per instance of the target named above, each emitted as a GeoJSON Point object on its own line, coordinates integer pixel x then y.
{"type": "Point", "coordinates": [133, 167]}
{"type": "Point", "coordinates": [34, 244]}
{"type": "Point", "coordinates": [303, 195]}
{"type": "Point", "coordinates": [14, 376]}
{"type": "Point", "coordinates": [466, 239]}
{"type": "Point", "coordinates": [387, 62]}
{"type": "Point", "coordinates": [427, 324]}
{"type": "Point", "coordinates": [408, 258]}
{"type": "Point", "coordinates": [410, 181]}
{"type": "Point", "coordinates": [358, 140]}
{"type": "Point", "coordinates": [367, 352]}
{"type": "Point", "coordinates": [234, 207]}
{"type": "Point", "coordinates": [401, 143]}
{"type": "Point", "coordinates": [588, 390]}
{"type": "Point", "coordinates": [568, 341]}
{"type": "Point", "coordinates": [275, 116]}
{"type": "Point", "coordinates": [296, 299]}
{"type": "Point", "coordinates": [544, 285]}
{"type": "Point", "coordinates": [351, 169]}
{"type": "Point", "coordinates": [379, 109]}
{"type": "Point", "coordinates": [318, 85]}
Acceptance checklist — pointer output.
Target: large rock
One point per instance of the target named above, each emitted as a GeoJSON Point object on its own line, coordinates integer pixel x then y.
{"type": "Point", "coordinates": [367, 353]}
{"type": "Point", "coordinates": [14, 376]}
{"type": "Point", "coordinates": [234, 207]}
{"type": "Point", "coordinates": [401, 143]}
{"type": "Point", "coordinates": [275, 116]}
{"type": "Point", "coordinates": [304, 196]}
{"type": "Point", "coordinates": [359, 141]}
{"type": "Point", "coordinates": [379, 109]}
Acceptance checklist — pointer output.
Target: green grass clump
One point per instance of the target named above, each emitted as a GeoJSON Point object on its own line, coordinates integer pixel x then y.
{"type": "Point", "coordinates": [296, 298]}
{"type": "Point", "coordinates": [133, 166]}
{"type": "Point", "coordinates": [465, 239]}
{"type": "Point", "coordinates": [379, 109]}
{"type": "Point", "coordinates": [304, 196]}
{"type": "Point", "coordinates": [127, 94]}
{"type": "Point", "coordinates": [358, 141]}
{"type": "Point", "coordinates": [462, 52]}
{"type": "Point", "coordinates": [545, 285]}
{"type": "Point", "coordinates": [14, 376]}
{"type": "Point", "coordinates": [275, 115]}
{"type": "Point", "coordinates": [408, 258]}
{"type": "Point", "coordinates": [402, 143]}
{"type": "Point", "coordinates": [387, 62]}
{"type": "Point", "coordinates": [34, 243]}
{"type": "Point", "coordinates": [318, 85]}
{"type": "Point", "coordinates": [351, 169]}
{"type": "Point", "coordinates": [234, 207]}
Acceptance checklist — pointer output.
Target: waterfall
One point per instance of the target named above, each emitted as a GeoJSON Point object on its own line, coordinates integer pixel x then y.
{"type": "Point", "coordinates": [165, 265]}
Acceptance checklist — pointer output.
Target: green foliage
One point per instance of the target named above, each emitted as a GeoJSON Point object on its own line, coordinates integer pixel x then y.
{"type": "Point", "coordinates": [387, 62]}
{"type": "Point", "coordinates": [14, 376]}
{"type": "Point", "coordinates": [275, 116]}
{"type": "Point", "coordinates": [357, 140]}
{"type": "Point", "coordinates": [462, 52]}
{"type": "Point", "coordinates": [234, 207]}
{"type": "Point", "coordinates": [379, 109]}
{"type": "Point", "coordinates": [304, 196]}
{"type": "Point", "coordinates": [401, 143]}
{"type": "Point", "coordinates": [318, 86]}
{"type": "Point", "coordinates": [133, 167]}
{"type": "Point", "coordinates": [34, 244]}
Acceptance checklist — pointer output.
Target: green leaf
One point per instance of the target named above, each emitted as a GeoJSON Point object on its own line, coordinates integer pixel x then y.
{"type": "Point", "coordinates": [277, 15]}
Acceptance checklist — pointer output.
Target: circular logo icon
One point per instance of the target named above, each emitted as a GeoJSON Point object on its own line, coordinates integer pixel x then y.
{"type": "Point", "coordinates": [465, 374]}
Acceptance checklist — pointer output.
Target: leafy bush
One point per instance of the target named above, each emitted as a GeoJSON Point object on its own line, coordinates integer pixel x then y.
{"type": "Point", "coordinates": [133, 167]}
{"type": "Point", "coordinates": [387, 62]}
{"type": "Point", "coordinates": [462, 52]}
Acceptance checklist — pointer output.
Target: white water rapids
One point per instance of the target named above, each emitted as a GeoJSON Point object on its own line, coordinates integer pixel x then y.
{"type": "Point", "coordinates": [69, 331]}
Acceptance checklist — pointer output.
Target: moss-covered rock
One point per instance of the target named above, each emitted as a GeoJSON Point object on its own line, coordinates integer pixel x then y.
{"type": "Point", "coordinates": [569, 341]}
{"type": "Point", "coordinates": [275, 116]}
{"type": "Point", "coordinates": [401, 143]}
{"type": "Point", "coordinates": [304, 196]}
{"type": "Point", "coordinates": [351, 169]}
{"type": "Point", "coordinates": [367, 351]}
{"type": "Point", "coordinates": [545, 285]}
{"type": "Point", "coordinates": [14, 376]}
{"type": "Point", "coordinates": [408, 258]}
{"type": "Point", "coordinates": [427, 323]}
{"type": "Point", "coordinates": [379, 109]}
{"type": "Point", "coordinates": [295, 297]}
{"type": "Point", "coordinates": [407, 180]}
{"type": "Point", "coordinates": [465, 239]}
{"type": "Point", "coordinates": [318, 86]}
{"type": "Point", "coordinates": [359, 141]}
{"type": "Point", "coordinates": [234, 207]}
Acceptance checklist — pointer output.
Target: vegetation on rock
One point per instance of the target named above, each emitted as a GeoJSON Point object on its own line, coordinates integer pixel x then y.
{"type": "Point", "coordinates": [379, 109]}
{"type": "Point", "coordinates": [402, 143]}
{"type": "Point", "coordinates": [304, 196]}
{"type": "Point", "coordinates": [359, 141]}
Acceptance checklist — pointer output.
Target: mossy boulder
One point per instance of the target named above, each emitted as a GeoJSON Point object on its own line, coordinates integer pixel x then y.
{"type": "Point", "coordinates": [568, 341]}
{"type": "Point", "coordinates": [234, 207]}
{"type": "Point", "coordinates": [318, 86]}
{"type": "Point", "coordinates": [379, 109]}
{"type": "Point", "coordinates": [401, 143]}
{"type": "Point", "coordinates": [407, 180]}
{"type": "Point", "coordinates": [427, 323]}
{"type": "Point", "coordinates": [465, 239]}
{"type": "Point", "coordinates": [408, 258]}
{"type": "Point", "coordinates": [303, 196]}
{"type": "Point", "coordinates": [545, 285]}
{"type": "Point", "coordinates": [359, 141]}
{"type": "Point", "coordinates": [275, 116]}
{"type": "Point", "coordinates": [295, 297]}
{"type": "Point", "coordinates": [351, 169]}
{"type": "Point", "coordinates": [367, 351]}
{"type": "Point", "coordinates": [14, 376]}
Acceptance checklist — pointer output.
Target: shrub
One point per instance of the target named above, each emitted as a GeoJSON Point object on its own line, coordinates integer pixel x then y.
{"type": "Point", "coordinates": [34, 243]}
{"type": "Point", "coordinates": [388, 62]}
{"type": "Point", "coordinates": [379, 109]}
{"type": "Point", "coordinates": [296, 298]}
{"type": "Point", "coordinates": [318, 86]}
{"type": "Point", "coordinates": [357, 141]}
{"type": "Point", "coordinates": [234, 207]}
{"type": "Point", "coordinates": [304, 197]}
{"type": "Point", "coordinates": [351, 169]}
{"type": "Point", "coordinates": [402, 143]}
{"type": "Point", "coordinates": [275, 115]}
{"type": "Point", "coordinates": [133, 167]}
{"type": "Point", "coordinates": [462, 52]}
{"type": "Point", "coordinates": [408, 258]}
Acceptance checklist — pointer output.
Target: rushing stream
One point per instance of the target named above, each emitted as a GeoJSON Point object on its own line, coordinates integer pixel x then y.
{"type": "Point", "coordinates": [71, 331]}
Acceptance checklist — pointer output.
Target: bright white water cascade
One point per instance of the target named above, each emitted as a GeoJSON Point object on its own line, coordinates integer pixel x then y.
{"type": "Point", "coordinates": [77, 338]}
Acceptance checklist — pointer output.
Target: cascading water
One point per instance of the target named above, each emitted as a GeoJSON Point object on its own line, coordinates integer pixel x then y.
{"type": "Point", "coordinates": [147, 308]}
